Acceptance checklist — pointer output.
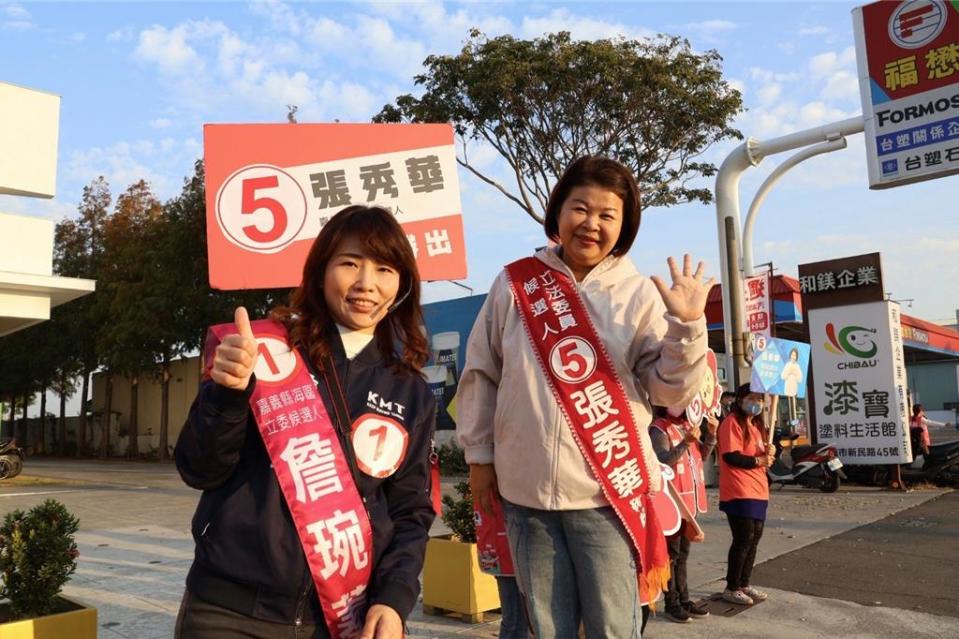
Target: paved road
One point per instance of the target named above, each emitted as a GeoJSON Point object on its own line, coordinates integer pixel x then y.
{"type": "Point", "coordinates": [909, 560]}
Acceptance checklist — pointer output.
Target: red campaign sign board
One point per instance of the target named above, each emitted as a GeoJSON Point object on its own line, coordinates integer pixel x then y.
{"type": "Point", "coordinates": [270, 188]}
{"type": "Point", "coordinates": [757, 305]}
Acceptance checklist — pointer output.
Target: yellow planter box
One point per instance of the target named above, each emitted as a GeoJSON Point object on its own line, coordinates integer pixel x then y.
{"type": "Point", "coordinates": [453, 582]}
{"type": "Point", "coordinates": [75, 624]}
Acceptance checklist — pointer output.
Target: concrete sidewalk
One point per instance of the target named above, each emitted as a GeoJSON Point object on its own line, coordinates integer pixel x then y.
{"type": "Point", "coordinates": [134, 575]}
{"type": "Point", "coordinates": [135, 550]}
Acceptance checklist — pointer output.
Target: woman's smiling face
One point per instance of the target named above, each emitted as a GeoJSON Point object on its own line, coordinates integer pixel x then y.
{"type": "Point", "coordinates": [589, 224]}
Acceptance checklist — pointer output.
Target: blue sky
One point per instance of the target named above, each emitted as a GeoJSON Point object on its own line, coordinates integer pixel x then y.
{"type": "Point", "coordinates": [138, 81]}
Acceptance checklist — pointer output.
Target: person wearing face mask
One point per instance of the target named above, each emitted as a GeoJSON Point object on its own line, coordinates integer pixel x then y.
{"type": "Point", "coordinates": [743, 490]}
{"type": "Point", "coordinates": [677, 444]}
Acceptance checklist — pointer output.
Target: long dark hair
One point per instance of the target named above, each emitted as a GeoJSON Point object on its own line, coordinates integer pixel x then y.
{"type": "Point", "coordinates": [742, 417]}
{"type": "Point", "coordinates": [307, 316]}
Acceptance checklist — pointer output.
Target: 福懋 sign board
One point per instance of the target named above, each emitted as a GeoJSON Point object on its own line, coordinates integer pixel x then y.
{"type": "Point", "coordinates": [270, 188]}
{"type": "Point", "coordinates": [908, 60]}
{"type": "Point", "coordinates": [860, 389]}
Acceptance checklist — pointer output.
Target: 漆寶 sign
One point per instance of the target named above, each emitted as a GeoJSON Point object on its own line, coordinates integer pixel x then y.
{"type": "Point", "coordinates": [860, 386]}
{"type": "Point", "coordinates": [908, 60]}
{"type": "Point", "coordinates": [270, 188]}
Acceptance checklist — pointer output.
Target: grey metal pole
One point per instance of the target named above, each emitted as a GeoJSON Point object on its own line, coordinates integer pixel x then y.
{"type": "Point", "coordinates": [736, 310]}
{"type": "Point", "coordinates": [751, 153]}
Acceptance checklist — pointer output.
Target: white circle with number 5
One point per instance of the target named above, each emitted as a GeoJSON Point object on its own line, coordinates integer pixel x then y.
{"type": "Point", "coordinates": [379, 444]}
{"type": "Point", "coordinates": [261, 208]}
{"type": "Point", "coordinates": [573, 359]}
{"type": "Point", "coordinates": [275, 361]}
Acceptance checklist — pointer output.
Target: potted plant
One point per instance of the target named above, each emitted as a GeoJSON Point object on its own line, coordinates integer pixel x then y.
{"type": "Point", "coordinates": [37, 556]}
{"type": "Point", "coordinates": [452, 580]}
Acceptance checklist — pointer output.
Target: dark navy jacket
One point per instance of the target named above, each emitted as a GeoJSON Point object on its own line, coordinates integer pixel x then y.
{"type": "Point", "coordinates": [248, 556]}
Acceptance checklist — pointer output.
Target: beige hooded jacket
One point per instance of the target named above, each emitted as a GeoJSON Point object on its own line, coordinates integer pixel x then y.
{"type": "Point", "coordinates": [507, 416]}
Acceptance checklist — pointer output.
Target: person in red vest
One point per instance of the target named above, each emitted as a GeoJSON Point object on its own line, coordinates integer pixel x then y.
{"type": "Point", "coordinates": [677, 444]}
{"type": "Point", "coordinates": [919, 430]}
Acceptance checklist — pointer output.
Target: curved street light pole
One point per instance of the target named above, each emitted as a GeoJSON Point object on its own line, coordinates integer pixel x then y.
{"type": "Point", "coordinates": [751, 153]}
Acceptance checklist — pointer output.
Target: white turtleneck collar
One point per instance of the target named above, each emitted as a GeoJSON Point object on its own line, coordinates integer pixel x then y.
{"type": "Point", "coordinates": [353, 341]}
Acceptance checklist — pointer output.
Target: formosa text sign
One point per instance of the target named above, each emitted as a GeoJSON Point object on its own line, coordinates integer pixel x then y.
{"type": "Point", "coordinates": [270, 188]}
{"type": "Point", "coordinates": [908, 60]}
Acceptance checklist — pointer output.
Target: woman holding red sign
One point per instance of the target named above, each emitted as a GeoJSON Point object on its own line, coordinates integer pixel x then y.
{"type": "Point", "coordinates": [562, 363]}
{"type": "Point", "coordinates": [310, 439]}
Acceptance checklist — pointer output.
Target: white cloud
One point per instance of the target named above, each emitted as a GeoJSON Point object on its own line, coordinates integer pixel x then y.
{"type": "Point", "coordinates": [124, 34]}
{"type": "Point", "coordinates": [828, 63]}
{"type": "Point", "coordinates": [14, 11]}
{"type": "Point", "coordinates": [710, 27]}
{"type": "Point", "coordinates": [842, 85]}
{"type": "Point", "coordinates": [169, 49]}
{"type": "Point", "coordinates": [160, 123]}
{"type": "Point", "coordinates": [158, 162]}
{"type": "Point", "coordinates": [765, 75]}
{"type": "Point", "coordinates": [769, 93]}
{"type": "Point", "coordinates": [581, 27]}
{"type": "Point", "coordinates": [14, 17]}
{"type": "Point", "coordinates": [817, 30]}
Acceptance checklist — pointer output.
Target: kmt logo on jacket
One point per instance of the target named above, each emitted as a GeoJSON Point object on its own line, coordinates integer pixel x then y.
{"type": "Point", "coordinates": [851, 340]}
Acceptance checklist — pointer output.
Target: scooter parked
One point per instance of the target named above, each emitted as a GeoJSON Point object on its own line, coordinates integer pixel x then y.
{"type": "Point", "coordinates": [11, 459]}
{"type": "Point", "coordinates": [810, 466]}
{"type": "Point", "coordinates": [940, 466]}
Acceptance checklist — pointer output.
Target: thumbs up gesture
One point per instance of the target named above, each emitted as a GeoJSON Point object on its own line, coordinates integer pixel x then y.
{"type": "Point", "coordinates": [236, 355]}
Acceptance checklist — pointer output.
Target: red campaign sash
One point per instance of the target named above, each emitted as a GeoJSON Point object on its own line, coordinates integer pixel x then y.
{"type": "Point", "coordinates": [314, 476]}
{"type": "Point", "coordinates": [585, 385]}
{"type": "Point", "coordinates": [492, 544]}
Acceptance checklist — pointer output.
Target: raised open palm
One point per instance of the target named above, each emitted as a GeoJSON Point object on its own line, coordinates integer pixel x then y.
{"type": "Point", "coordinates": [686, 298]}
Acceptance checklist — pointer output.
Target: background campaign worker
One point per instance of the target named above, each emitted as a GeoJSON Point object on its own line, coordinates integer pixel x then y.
{"type": "Point", "coordinates": [677, 444]}
{"type": "Point", "coordinates": [744, 457]}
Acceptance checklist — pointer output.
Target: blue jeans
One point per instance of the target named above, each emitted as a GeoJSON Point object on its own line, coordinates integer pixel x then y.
{"type": "Point", "coordinates": [575, 566]}
{"type": "Point", "coordinates": [513, 624]}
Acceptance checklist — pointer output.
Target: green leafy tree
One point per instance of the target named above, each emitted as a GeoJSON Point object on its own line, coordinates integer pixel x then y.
{"type": "Point", "coordinates": [193, 306]}
{"type": "Point", "coordinates": [126, 297]}
{"type": "Point", "coordinates": [79, 252]}
{"type": "Point", "coordinates": [655, 105]}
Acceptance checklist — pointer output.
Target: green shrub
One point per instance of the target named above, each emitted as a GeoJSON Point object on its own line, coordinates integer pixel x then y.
{"type": "Point", "coordinates": [458, 514]}
{"type": "Point", "coordinates": [452, 459]}
{"type": "Point", "coordinates": [37, 557]}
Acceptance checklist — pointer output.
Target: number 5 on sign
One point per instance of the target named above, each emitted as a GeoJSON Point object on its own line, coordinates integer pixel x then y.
{"type": "Point", "coordinates": [261, 208]}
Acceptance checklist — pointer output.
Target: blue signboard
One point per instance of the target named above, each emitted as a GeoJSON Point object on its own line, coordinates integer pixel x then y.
{"type": "Point", "coordinates": [448, 326]}
{"type": "Point", "coordinates": [780, 367]}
